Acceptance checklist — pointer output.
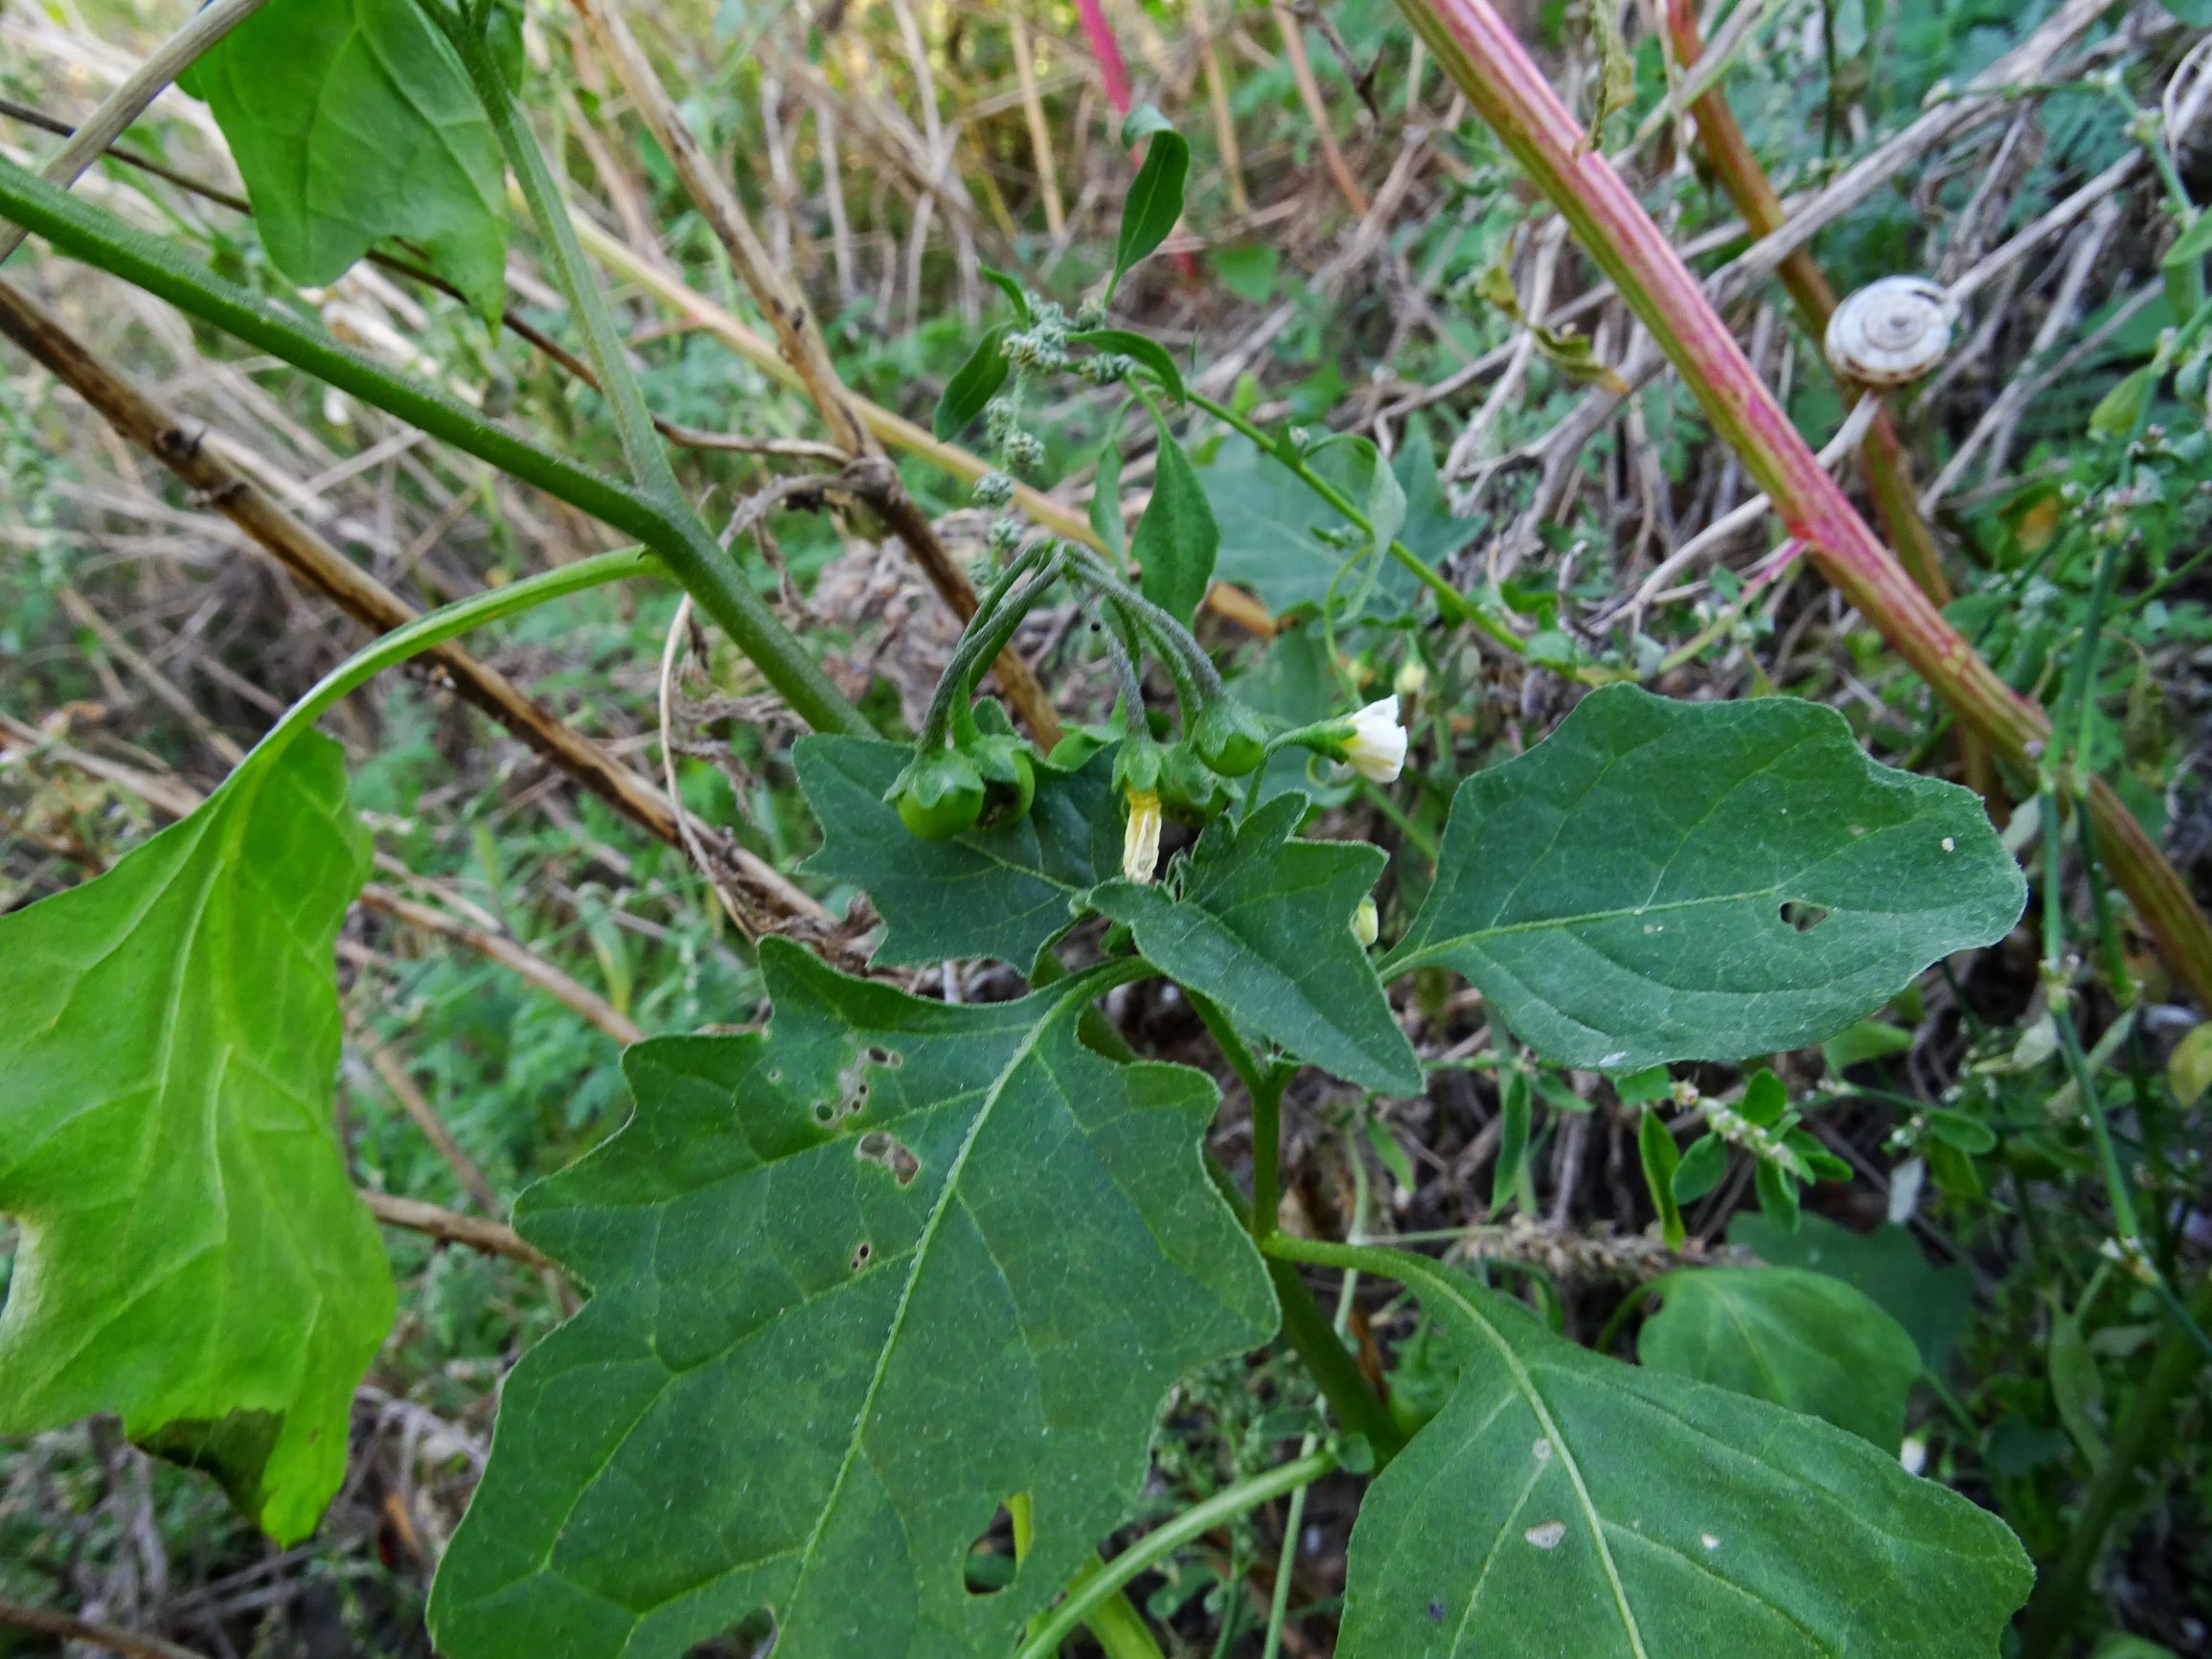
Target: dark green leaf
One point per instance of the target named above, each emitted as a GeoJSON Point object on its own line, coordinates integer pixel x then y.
{"type": "Point", "coordinates": [1618, 891]}
{"type": "Point", "coordinates": [2077, 1392]}
{"type": "Point", "coordinates": [1969, 1135]}
{"type": "Point", "coordinates": [1177, 538]}
{"type": "Point", "coordinates": [972, 385]}
{"type": "Point", "coordinates": [1869, 1040]}
{"type": "Point", "coordinates": [1933, 1304]}
{"type": "Point", "coordinates": [1765, 1100]}
{"type": "Point", "coordinates": [1001, 891]}
{"type": "Point", "coordinates": [1803, 1340]}
{"type": "Point", "coordinates": [1156, 198]}
{"type": "Point", "coordinates": [1263, 926]}
{"type": "Point", "coordinates": [1566, 1504]}
{"type": "Point", "coordinates": [353, 121]}
{"type": "Point", "coordinates": [1151, 355]}
{"type": "Point", "coordinates": [857, 1278]}
{"type": "Point", "coordinates": [1700, 1169]}
{"type": "Point", "coordinates": [1777, 1195]}
{"type": "Point", "coordinates": [193, 1257]}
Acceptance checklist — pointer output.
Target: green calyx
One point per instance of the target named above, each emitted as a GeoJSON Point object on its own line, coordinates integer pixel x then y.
{"type": "Point", "coordinates": [940, 795]}
{"type": "Point", "coordinates": [1229, 737]}
{"type": "Point", "coordinates": [1190, 791]}
{"type": "Point", "coordinates": [1140, 766]}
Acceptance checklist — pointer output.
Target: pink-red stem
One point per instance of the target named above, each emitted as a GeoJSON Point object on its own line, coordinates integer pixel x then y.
{"type": "Point", "coordinates": [1511, 94]}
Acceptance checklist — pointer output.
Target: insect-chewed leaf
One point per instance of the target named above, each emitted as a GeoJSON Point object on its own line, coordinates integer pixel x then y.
{"type": "Point", "coordinates": [857, 1280]}
{"type": "Point", "coordinates": [1803, 1340]}
{"type": "Point", "coordinates": [193, 1258]}
{"type": "Point", "coordinates": [1002, 892]}
{"type": "Point", "coordinates": [1263, 928]}
{"type": "Point", "coordinates": [1564, 1503]}
{"type": "Point", "coordinates": [1661, 881]}
{"type": "Point", "coordinates": [354, 120]}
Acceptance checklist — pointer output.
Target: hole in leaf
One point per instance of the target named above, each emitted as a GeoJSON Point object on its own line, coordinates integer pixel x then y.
{"type": "Point", "coordinates": [991, 1564]}
{"type": "Point", "coordinates": [775, 1074]}
{"type": "Point", "coordinates": [883, 1057]}
{"type": "Point", "coordinates": [862, 1251]}
{"type": "Point", "coordinates": [879, 1147]}
{"type": "Point", "coordinates": [824, 1112]}
{"type": "Point", "coordinates": [1804, 917]}
{"type": "Point", "coordinates": [746, 1639]}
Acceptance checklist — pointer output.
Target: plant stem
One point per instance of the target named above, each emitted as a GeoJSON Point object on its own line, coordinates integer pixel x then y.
{"type": "Point", "coordinates": [1511, 95]}
{"type": "Point", "coordinates": [1453, 605]}
{"type": "Point", "coordinates": [133, 97]}
{"type": "Point", "coordinates": [435, 627]}
{"type": "Point", "coordinates": [1155, 1545]}
{"type": "Point", "coordinates": [2147, 1425]}
{"type": "Point", "coordinates": [1355, 1406]}
{"type": "Point", "coordinates": [709, 573]}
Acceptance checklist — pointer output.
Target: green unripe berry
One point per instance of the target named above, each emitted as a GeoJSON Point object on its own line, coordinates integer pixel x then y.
{"type": "Point", "coordinates": [939, 795]}
{"type": "Point", "coordinates": [1229, 737]}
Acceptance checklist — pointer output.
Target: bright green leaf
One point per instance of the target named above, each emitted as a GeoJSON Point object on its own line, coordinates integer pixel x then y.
{"type": "Point", "coordinates": [1263, 925]}
{"type": "Point", "coordinates": [1868, 1039]}
{"type": "Point", "coordinates": [2189, 1067]}
{"type": "Point", "coordinates": [1001, 891]}
{"type": "Point", "coordinates": [1933, 1304]}
{"type": "Point", "coordinates": [1156, 198]}
{"type": "Point", "coordinates": [1661, 1159]}
{"type": "Point", "coordinates": [1618, 893]}
{"type": "Point", "coordinates": [1177, 538]}
{"type": "Point", "coordinates": [973, 384]}
{"type": "Point", "coordinates": [352, 122]}
{"type": "Point", "coordinates": [1275, 529]}
{"type": "Point", "coordinates": [2121, 410]}
{"type": "Point", "coordinates": [1777, 1190]}
{"type": "Point", "coordinates": [1564, 1503]}
{"type": "Point", "coordinates": [1700, 1169]}
{"type": "Point", "coordinates": [1801, 1340]}
{"type": "Point", "coordinates": [1012, 288]}
{"type": "Point", "coordinates": [1105, 505]}
{"type": "Point", "coordinates": [1513, 1137]}
{"type": "Point", "coordinates": [193, 1257]}
{"type": "Point", "coordinates": [1765, 1100]}
{"type": "Point", "coordinates": [1151, 355]}
{"type": "Point", "coordinates": [857, 1278]}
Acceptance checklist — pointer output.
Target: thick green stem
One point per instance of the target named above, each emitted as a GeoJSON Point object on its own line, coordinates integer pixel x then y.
{"type": "Point", "coordinates": [1507, 90]}
{"type": "Point", "coordinates": [84, 232]}
{"type": "Point", "coordinates": [1158, 1543]}
{"type": "Point", "coordinates": [2147, 1425]}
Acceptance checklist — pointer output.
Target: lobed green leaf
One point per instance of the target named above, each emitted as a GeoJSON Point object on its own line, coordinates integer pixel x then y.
{"type": "Point", "coordinates": [1624, 893]}
{"type": "Point", "coordinates": [859, 1279]}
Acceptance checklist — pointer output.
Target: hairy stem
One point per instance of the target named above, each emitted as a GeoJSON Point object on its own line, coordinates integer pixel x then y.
{"type": "Point", "coordinates": [1511, 95]}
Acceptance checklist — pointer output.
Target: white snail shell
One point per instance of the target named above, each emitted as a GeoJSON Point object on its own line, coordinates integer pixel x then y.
{"type": "Point", "coordinates": [1891, 331]}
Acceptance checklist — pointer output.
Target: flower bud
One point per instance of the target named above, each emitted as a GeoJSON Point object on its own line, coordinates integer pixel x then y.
{"type": "Point", "coordinates": [1141, 838]}
{"type": "Point", "coordinates": [1376, 746]}
{"type": "Point", "coordinates": [1366, 924]}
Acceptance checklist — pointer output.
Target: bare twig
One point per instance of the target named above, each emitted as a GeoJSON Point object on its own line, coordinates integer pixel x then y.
{"type": "Point", "coordinates": [491, 1237]}
{"type": "Point", "coordinates": [68, 1627]}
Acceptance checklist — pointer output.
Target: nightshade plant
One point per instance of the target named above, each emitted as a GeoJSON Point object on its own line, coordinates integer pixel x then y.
{"type": "Point", "coordinates": [861, 1277]}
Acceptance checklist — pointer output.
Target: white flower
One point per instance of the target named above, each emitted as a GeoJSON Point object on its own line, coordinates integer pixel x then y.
{"type": "Point", "coordinates": [1141, 840]}
{"type": "Point", "coordinates": [1376, 745]}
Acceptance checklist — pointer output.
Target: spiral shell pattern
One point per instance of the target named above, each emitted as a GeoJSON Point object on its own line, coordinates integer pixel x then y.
{"type": "Point", "coordinates": [1891, 331]}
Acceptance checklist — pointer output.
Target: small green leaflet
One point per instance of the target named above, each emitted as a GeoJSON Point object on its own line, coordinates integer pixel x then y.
{"type": "Point", "coordinates": [352, 122]}
{"type": "Point", "coordinates": [1001, 892]}
{"type": "Point", "coordinates": [1933, 1304]}
{"type": "Point", "coordinates": [1618, 891]}
{"type": "Point", "coordinates": [1564, 1503]}
{"type": "Point", "coordinates": [973, 384]}
{"type": "Point", "coordinates": [856, 1279]}
{"type": "Point", "coordinates": [1513, 1137]}
{"type": "Point", "coordinates": [1177, 538]}
{"type": "Point", "coordinates": [1800, 1339]}
{"type": "Point", "coordinates": [1277, 535]}
{"type": "Point", "coordinates": [1662, 1160]}
{"type": "Point", "coordinates": [1263, 926]}
{"type": "Point", "coordinates": [193, 1257]}
{"type": "Point", "coordinates": [1156, 198]}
